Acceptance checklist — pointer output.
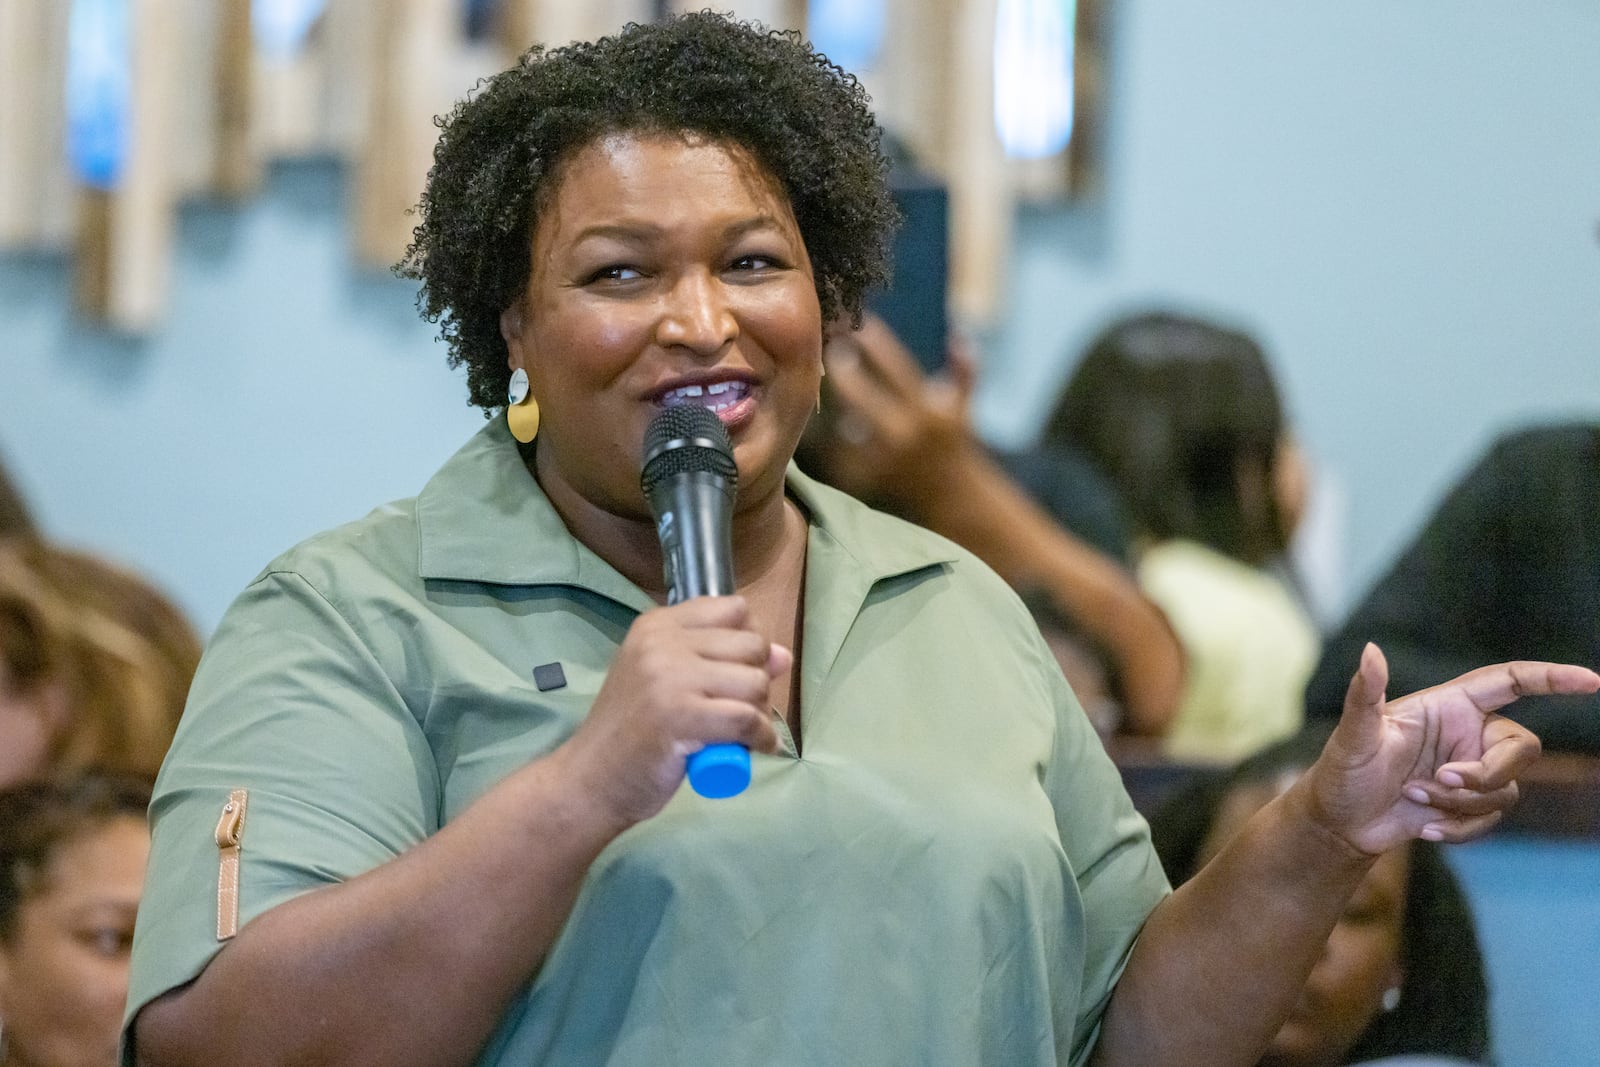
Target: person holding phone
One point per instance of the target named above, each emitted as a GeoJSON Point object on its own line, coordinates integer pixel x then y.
{"type": "Point", "coordinates": [902, 440]}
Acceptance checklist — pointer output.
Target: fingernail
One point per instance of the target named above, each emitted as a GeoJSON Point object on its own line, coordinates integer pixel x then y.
{"type": "Point", "coordinates": [1451, 779]}
{"type": "Point", "coordinates": [1432, 832]}
{"type": "Point", "coordinates": [1417, 793]}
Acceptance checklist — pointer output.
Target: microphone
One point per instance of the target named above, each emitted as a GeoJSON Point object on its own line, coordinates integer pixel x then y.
{"type": "Point", "coordinates": [690, 480]}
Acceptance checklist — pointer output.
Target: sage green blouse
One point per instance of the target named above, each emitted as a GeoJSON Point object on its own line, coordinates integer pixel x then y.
{"type": "Point", "coordinates": [948, 872]}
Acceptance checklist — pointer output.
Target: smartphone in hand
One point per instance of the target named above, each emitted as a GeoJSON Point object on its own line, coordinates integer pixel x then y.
{"type": "Point", "coordinates": [913, 304]}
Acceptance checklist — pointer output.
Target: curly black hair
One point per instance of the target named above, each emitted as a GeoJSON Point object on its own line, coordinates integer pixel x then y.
{"type": "Point", "coordinates": [1444, 994]}
{"type": "Point", "coordinates": [501, 151]}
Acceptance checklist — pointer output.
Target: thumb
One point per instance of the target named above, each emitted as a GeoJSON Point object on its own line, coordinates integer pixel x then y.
{"type": "Point", "coordinates": [1363, 701]}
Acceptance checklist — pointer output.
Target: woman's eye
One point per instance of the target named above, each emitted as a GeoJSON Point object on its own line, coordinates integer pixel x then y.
{"type": "Point", "coordinates": [616, 272]}
{"type": "Point", "coordinates": [108, 941]}
{"type": "Point", "coordinates": [755, 261]}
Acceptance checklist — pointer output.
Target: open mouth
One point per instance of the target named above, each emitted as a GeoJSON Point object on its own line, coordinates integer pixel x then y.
{"type": "Point", "coordinates": [717, 396]}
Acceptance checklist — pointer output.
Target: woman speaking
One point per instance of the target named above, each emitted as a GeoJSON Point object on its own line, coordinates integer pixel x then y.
{"type": "Point", "coordinates": [427, 803]}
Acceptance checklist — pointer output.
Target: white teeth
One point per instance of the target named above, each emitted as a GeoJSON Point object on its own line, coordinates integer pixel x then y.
{"type": "Point", "coordinates": [727, 394]}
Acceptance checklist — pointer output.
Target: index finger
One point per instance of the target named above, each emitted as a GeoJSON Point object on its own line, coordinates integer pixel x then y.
{"type": "Point", "coordinates": [702, 612]}
{"type": "Point", "coordinates": [1492, 688]}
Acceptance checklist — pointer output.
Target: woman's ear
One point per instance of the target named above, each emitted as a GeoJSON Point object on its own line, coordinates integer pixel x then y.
{"type": "Point", "coordinates": [511, 331]}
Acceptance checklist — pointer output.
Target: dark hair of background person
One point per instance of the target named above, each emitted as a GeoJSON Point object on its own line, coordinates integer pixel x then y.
{"type": "Point", "coordinates": [1444, 996]}
{"type": "Point", "coordinates": [14, 518]}
{"type": "Point", "coordinates": [120, 652]}
{"type": "Point", "coordinates": [38, 818]}
{"type": "Point", "coordinates": [500, 155]}
{"type": "Point", "coordinates": [1183, 416]}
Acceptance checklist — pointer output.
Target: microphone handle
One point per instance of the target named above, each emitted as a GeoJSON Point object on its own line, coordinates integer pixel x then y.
{"type": "Point", "coordinates": [698, 555]}
{"type": "Point", "coordinates": [696, 540]}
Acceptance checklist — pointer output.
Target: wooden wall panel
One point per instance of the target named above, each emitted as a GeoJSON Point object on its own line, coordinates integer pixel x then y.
{"type": "Point", "coordinates": [124, 250]}
{"type": "Point", "coordinates": [932, 85]}
{"type": "Point", "coordinates": [235, 159]}
{"type": "Point", "coordinates": [981, 198]}
{"type": "Point", "coordinates": [779, 14]}
{"type": "Point", "coordinates": [37, 203]}
{"type": "Point", "coordinates": [558, 22]}
{"type": "Point", "coordinates": [413, 45]}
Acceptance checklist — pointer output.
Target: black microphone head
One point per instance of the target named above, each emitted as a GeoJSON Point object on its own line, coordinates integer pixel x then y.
{"type": "Point", "coordinates": [686, 438]}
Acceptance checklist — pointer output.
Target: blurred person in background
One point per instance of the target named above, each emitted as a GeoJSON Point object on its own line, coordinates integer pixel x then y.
{"type": "Point", "coordinates": [1402, 974]}
{"type": "Point", "coordinates": [1508, 562]}
{"type": "Point", "coordinates": [72, 859]}
{"type": "Point", "coordinates": [904, 442]}
{"type": "Point", "coordinates": [95, 665]}
{"type": "Point", "coordinates": [1183, 417]}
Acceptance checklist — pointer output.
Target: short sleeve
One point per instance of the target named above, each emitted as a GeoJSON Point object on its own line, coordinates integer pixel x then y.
{"type": "Point", "coordinates": [290, 705]}
{"type": "Point", "coordinates": [1107, 842]}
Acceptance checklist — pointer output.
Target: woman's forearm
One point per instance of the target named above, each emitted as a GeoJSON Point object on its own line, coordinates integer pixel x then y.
{"type": "Point", "coordinates": [1220, 963]}
{"type": "Point", "coordinates": [413, 962]}
{"type": "Point", "coordinates": [978, 506]}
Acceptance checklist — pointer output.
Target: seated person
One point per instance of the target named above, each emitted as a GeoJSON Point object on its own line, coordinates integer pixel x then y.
{"type": "Point", "coordinates": [904, 443]}
{"type": "Point", "coordinates": [1402, 974]}
{"type": "Point", "coordinates": [95, 665]}
{"type": "Point", "coordinates": [72, 859]}
{"type": "Point", "coordinates": [1507, 567]}
{"type": "Point", "coordinates": [1182, 416]}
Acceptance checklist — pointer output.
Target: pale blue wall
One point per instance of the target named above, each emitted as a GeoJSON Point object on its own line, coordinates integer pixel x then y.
{"type": "Point", "coordinates": [1401, 199]}
{"type": "Point", "coordinates": [289, 391]}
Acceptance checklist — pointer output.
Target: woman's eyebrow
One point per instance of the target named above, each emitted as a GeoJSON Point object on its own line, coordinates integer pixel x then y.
{"type": "Point", "coordinates": [618, 231]}
{"type": "Point", "coordinates": [763, 221]}
{"type": "Point", "coordinates": [644, 230]}
{"type": "Point", "coordinates": [102, 906]}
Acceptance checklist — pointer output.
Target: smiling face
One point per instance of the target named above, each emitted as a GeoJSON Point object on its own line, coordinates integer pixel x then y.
{"type": "Point", "coordinates": [665, 270]}
{"type": "Point", "coordinates": [64, 966]}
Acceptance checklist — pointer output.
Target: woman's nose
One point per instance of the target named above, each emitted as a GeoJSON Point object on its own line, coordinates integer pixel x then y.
{"type": "Point", "coordinates": [697, 315]}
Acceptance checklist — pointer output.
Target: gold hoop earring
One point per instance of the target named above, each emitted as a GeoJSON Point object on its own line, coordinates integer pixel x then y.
{"type": "Point", "coordinates": [522, 410]}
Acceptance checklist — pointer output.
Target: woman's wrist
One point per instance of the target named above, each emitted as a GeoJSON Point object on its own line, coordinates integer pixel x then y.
{"type": "Point", "coordinates": [1309, 823]}
{"type": "Point", "coordinates": [560, 796]}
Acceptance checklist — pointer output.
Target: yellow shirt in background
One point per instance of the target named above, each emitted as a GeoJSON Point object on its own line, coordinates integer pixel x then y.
{"type": "Point", "coordinates": [1249, 649]}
